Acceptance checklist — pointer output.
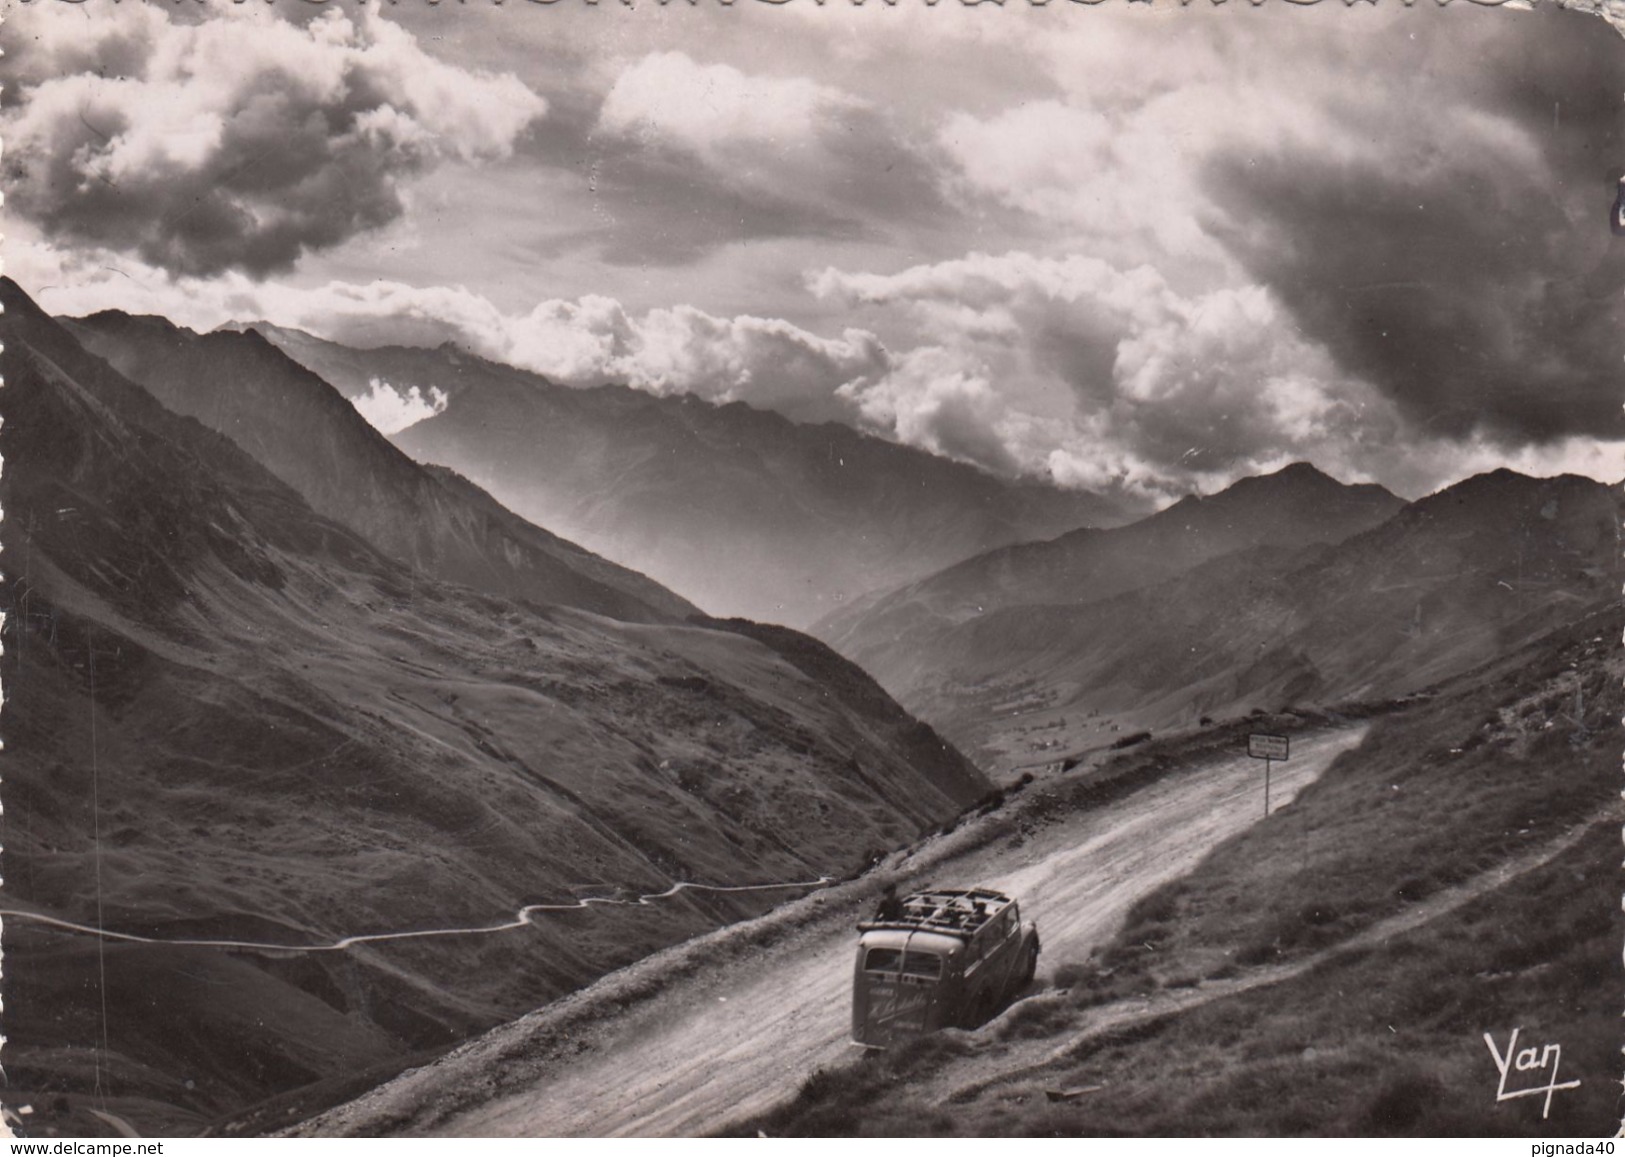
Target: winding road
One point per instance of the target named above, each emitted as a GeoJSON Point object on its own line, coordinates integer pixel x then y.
{"type": "Point", "coordinates": [723, 1044]}
{"type": "Point", "coordinates": [521, 919]}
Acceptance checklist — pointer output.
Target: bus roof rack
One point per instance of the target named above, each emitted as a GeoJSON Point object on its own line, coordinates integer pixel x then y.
{"type": "Point", "coordinates": [951, 911]}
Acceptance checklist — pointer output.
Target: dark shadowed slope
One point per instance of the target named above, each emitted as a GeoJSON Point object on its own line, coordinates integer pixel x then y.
{"type": "Point", "coordinates": [1452, 581]}
{"type": "Point", "coordinates": [741, 510]}
{"type": "Point", "coordinates": [305, 433]}
{"type": "Point", "coordinates": [229, 717]}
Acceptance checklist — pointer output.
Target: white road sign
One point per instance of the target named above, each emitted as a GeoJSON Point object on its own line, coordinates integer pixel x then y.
{"type": "Point", "coordinates": [1261, 746]}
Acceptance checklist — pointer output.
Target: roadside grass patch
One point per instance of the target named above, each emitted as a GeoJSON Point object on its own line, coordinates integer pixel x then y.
{"type": "Point", "coordinates": [1036, 1019]}
{"type": "Point", "coordinates": [1414, 810]}
{"type": "Point", "coordinates": [1376, 1042]}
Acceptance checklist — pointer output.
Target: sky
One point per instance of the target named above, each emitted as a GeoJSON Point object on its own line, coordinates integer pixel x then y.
{"type": "Point", "coordinates": [1132, 246]}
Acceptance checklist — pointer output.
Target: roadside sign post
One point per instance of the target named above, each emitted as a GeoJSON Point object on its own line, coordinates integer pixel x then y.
{"type": "Point", "coordinates": [1269, 748]}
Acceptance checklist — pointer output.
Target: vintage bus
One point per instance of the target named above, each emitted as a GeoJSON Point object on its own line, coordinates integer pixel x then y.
{"type": "Point", "coordinates": [942, 958]}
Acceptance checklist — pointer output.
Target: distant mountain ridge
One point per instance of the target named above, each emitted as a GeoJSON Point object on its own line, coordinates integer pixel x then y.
{"type": "Point", "coordinates": [1450, 581]}
{"type": "Point", "coordinates": [897, 633]}
{"type": "Point", "coordinates": [309, 436]}
{"type": "Point", "coordinates": [229, 716]}
{"type": "Point", "coordinates": [741, 510]}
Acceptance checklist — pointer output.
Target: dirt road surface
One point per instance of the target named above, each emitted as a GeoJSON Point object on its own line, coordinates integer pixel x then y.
{"type": "Point", "coordinates": [719, 1046]}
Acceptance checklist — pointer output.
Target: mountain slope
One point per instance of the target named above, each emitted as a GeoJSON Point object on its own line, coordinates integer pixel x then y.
{"type": "Point", "coordinates": [741, 510]}
{"type": "Point", "coordinates": [1458, 871]}
{"type": "Point", "coordinates": [1295, 506]}
{"type": "Point", "coordinates": [310, 437]}
{"type": "Point", "coordinates": [1452, 581]}
{"type": "Point", "coordinates": [231, 718]}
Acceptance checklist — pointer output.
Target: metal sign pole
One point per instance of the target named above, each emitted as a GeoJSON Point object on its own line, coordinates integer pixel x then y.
{"type": "Point", "coordinates": [1269, 748]}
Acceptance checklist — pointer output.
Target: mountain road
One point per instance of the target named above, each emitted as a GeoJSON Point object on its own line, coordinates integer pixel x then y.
{"type": "Point", "coordinates": [720, 1044]}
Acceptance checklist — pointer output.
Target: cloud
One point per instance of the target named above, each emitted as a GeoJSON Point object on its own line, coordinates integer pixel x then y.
{"type": "Point", "coordinates": [1099, 376]}
{"type": "Point", "coordinates": [764, 361]}
{"type": "Point", "coordinates": [242, 141]}
{"type": "Point", "coordinates": [664, 206]}
{"type": "Point", "coordinates": [1426, 208]}
{"type": "Point", "coordinates": [391, 410]}
{"type": "Point", "coordinates": [1201, 247]}
{"type": "Point", "coordinates": [593, 340]}
{"type": "Point", "coordinates": [1119, 180]}
{"type": "Point", "coordinates": [1111, 160]}
{"type": "Point", "coordinates": [1394, 238]}
{"type": "Point", "coordinates": [375, 314]}
{"type": "Point", "coordinates": [1458, 261]}
{"type": "Point", "coordinates": [689, 158]}
{"type": "Point", "coordinates": [937, 400]}
{"type": "Point", "coordinates": [712, 108]}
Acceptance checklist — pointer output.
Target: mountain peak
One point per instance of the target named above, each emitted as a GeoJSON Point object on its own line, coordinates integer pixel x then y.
{"type": "Point", "coordinates": [1302, 470]}
{"type": "Point", "coordinates": [14, 298]}
{"type": "Point", "coordinates": [1298, 475]}
{"type": "Point", "coordinates": [1497, 493]}
{"type": "Point", "coordinates": [1300, 483]}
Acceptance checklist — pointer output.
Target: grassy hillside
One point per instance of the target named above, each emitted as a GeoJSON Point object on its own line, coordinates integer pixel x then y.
{"type": "Point", "coordinates": [898, 634]}
{"type": "Point", "coordinates": [230, 718]}
{"type": "Point", "coordinates": [1332, 970]}
{"type": "Point", "coordinates": [303, 431]}
{"type": "Point", "coordinates": [1451, 582]}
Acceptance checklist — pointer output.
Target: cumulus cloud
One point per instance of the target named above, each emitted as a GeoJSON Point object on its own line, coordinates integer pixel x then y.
{"type": "Point", "coordinates": [938, 400]}
{"type": "Point", "coordinates": [390, 409]}
{"type": "Point", "coordinates": [710, 107]}
{"type": "Point", "coordinates": [766, 362]}
{"type": "Point", "coordinates": [241, 141]}
{"type": "Point", "coordinates": [1099, 376]}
